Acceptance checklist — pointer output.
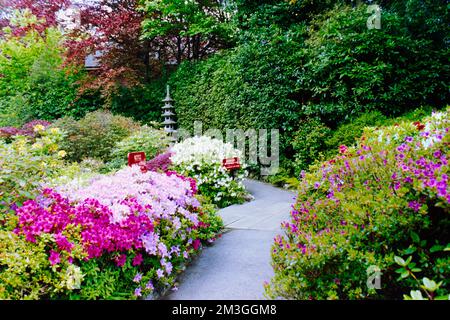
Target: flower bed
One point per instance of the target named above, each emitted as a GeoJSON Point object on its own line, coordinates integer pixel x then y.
{"type": "Point", "coordinates": [383, 204]}
{"type": "Point", "coordinates": [118, 236]}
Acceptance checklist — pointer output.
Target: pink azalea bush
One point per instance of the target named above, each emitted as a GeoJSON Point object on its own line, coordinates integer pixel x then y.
{"type": "Point", "coordinates": [136, 228]}
{"type": "Point", "coordinates": [381, 204]}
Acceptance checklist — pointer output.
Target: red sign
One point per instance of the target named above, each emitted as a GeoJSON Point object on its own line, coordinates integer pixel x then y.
{"type": "Point", "coordinates": [231, 163]}
{"type": "Point", "coordinates": [137, 158]}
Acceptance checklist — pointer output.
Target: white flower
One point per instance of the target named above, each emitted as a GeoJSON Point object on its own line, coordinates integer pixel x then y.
{"type": "Point", "coordinates": [119, 212]}
{"type": "Point", "coordinates": [196, 150]}
{"type": "Point", "coordinates": [73, 276]}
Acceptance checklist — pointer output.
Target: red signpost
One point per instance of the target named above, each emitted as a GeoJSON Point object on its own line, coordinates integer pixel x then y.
{"type": "Point", "coordinates": [231, 163]}
{"type": "Point", "coordinates": [137, 158]}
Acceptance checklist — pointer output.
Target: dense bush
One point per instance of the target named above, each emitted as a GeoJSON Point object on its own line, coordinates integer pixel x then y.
{"type": "Point", "coordinates": [25, 165]}
{"type": "Point", "coordinates": [121, 236]}
{"type": "Point", "coordinates": [28, 129]}
{"type": "Point", "coordinates": [26, 271]}
{"type": "Point", "coordinates": [347, 68]}
{"type": "Point", "coordinates": [348, 133]}
{"type": "Point", "coordinates": [142, 103]}
{"type": "Point", "coordinates": [309, 143]}
{"type": "Point", "coordinates": [149, 140]}
{"type": "Point", "coordinates": [318, 60]}
{"type": "Point", "coordinates": [386, 197]}
{"type": "Point", "coordinates": [201, 158]}
{"type": "Point", "coordinates": [161, 162]}
{"type": "Point", "coordinates": [246, 87]}
{"type": "Point", "coordinates": [34, 83]}
{"type": "Point", "coordinates": [95, 135]}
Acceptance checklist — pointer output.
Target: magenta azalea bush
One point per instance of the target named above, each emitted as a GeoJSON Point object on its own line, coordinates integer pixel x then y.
{"type": "Point", "coordinates": [161, 162]}
{"type": "Point", "coordinates": [125, 235]}
{"type": "Point", "coordinates": [380, 205]}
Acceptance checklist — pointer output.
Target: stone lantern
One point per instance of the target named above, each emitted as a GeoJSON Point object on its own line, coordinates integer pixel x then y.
{"type": "Point", "coordinates": [169, 116]}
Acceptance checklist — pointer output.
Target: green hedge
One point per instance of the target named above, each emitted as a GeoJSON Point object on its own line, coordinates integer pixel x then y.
{"type": "Point", "coordinates": [246, 87]}
{"type": "Point", "coordinates": [331, 67]}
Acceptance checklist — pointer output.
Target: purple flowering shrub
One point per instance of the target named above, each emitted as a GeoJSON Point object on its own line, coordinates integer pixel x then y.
{"type": "Point", "coordinates": [121, 236]}
{"type": "Point", "coordinates": [26, 130]}
{"type": "Point", "coordinates": [376, 206]}
{"type": "Point", "coordinates": [161, 162]}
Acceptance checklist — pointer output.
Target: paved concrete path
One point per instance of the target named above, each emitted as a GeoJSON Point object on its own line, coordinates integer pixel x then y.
{"type": "Point", "coordinates": [237, 265]}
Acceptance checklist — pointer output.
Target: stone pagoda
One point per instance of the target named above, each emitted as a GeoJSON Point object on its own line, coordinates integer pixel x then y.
{"type": "Point", "coordinates": [169, 116]}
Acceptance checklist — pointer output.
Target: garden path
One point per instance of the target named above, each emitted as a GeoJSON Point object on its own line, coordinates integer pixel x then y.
{"type": "Point", "coordinates": [238, 263]}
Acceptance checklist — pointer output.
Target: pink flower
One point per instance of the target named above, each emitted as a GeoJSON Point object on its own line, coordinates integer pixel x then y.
{"type": "Point", "coordinates": [120, 261]}
{"type": "Point", "coordinates": [343, 149]}
{"type": "Point", "coordinates": [137, 277]}
{"type": "Point", "coordinates": [196, 244]}
{"type": "Point", "coordinates": [54, 258]}
{"type": "Point", "coordinates": [149, 286]}
{"type": "Point", "coordinates": [137, 260]}
{"type": "Point", "coordinates": [138, 292]}
{"type": "Point", "coordinates": [414, 205]}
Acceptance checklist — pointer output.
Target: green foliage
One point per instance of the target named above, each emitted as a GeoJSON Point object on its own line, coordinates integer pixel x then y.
{"type": "Point", "coordinates": [426, 260]}
{"type": "Point", "coordinates": [247, 87]}
{"type": "Point", "coordinates": [387, 196]}
{"type": "Point", "coordinates": [33, 83]}
{"type": "Point", "coordinates": [185, 18]}
{"type": "Point", "coordinates": [151, 141]}
{"type": "Point", "coordinates": [142, 103]}
{"type": "Point", "coordinates": [25, 272]}
{"type": "Point", "coordinates": [189, 29]}
{"type": "Point", "coordinates": [14, 110]}
{"type": "Point", "coordinates": [348, 133]}
{"type": "Point", "coordinates": [25, 166]}
{"type": "Point", "coordinates": [95, 135]}
{"type": "Point", "coordinates": [303, 59]}
{"type": "Point", "coordinates": [284, 179]}
{"type": "Point", "coordinates": [309, 143]}
{"type": "Point", "coordinates": [347, 68]}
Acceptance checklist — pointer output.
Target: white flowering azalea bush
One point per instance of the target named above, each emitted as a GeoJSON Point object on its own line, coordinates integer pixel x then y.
{"type": "Point", "coordinates": [201, 158]}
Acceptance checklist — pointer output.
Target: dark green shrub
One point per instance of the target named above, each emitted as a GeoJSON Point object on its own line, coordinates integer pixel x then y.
{"type": "Point", "coordinates": [141, 103]}
{"type": "Point", "coordinates": [348, 133]}
{"type": "Point", "coordinates": [309, 143]}
{"type": "Point", "coordinates": [95, 135]}
{"type": "Point", "coordinates": [149, 140]}
{"type": "Point", "coordinates": [348, 69]}
{"type": "Point", "coordinates": [247, 87]}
